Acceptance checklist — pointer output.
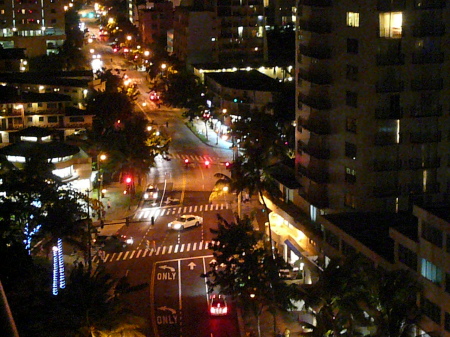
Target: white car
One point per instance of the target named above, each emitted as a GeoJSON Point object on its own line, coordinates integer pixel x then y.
{"type": "Point", "coordinates": [185, 221]}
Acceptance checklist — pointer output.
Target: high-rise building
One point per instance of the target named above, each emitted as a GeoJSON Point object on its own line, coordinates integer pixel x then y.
{"type": "Point", "coordinates": [240, 37]}
{"type": "Point", "coordinates": [38, 26]}
{"type": "Point", "coordinates": [372, 105]}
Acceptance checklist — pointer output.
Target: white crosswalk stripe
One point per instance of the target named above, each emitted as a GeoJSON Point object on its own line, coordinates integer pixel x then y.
{"type": "Point", "coordinates": [196, 158]}
{"type": "Point", "coordinates": [147, 213]}
{"type": "Point", "coordinates": [161, 250]}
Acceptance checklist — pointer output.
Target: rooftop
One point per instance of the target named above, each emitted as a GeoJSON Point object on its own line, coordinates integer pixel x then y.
{"type": "Point", "coordinates": [245, 80]}
{"type": "Point", "coordinates": [372, 228]}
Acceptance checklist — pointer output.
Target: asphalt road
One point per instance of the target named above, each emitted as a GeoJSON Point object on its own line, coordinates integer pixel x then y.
{"type": "Point", "coordinates": [168, 264]}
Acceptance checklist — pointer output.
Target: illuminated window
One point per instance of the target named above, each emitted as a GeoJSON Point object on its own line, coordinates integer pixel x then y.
{"type": "Point", "coordinates": [391, 25]}
{"type": "Point", "coordinates": [431, 272]}
{"type": "Point", "coordinates": [352, 19]}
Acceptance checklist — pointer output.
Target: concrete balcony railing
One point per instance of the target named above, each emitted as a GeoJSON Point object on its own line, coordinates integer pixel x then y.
{"type": "Point", "coordinates": [430, 4]}
{"type": "Point", "coordinates": [425, 137]}
{"type": "Point", "coordinates": [418, 163]}
{"type": "Point", "coordinates": [386, 191]}
{"type": "Point", "coordinates": [389, 86]}
{"type": "Point", "coordinates": [390, 5]}
{"type": "Point", "coordinates": [427, 57]}
{"type": "Point", "coordinates": [318, 52]}
{"type": "Point", "coordinates": [427, 84]}
{"type": "Point", "coordinates": [318, 126]}
{"type": "Point", "coordinates": [316, 26]}
{"type": "Point", "coordinates": [389, 113]}
{"type": "Point", "coordinates": [316, 151]}
{"type": "Point", "coordinates": [390, 59]}
{"type": "Point", "coordinates": [316, 77]}
{"type": "Point", "coordinates": [319, 103]}
{"type": "Point", "coordinates": [428, 29]}
{"type": "Point", "coordinates": [387, 165]}
{"type": "Point", "coordinates": [319, 176]}
{"type": "Point", "coordinates": [425, 111]}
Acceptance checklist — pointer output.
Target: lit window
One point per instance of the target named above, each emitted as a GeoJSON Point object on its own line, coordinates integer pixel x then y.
{"type": "Point", "coordinates": [352, 19]}
{"type": "Point", "coordinates": [431, 272]}
{"type": "Point", "coordinates": [391, 25]}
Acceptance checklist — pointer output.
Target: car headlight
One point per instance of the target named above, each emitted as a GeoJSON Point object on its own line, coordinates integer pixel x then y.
{"type": "Point", "coordinates": [177, 226]}
{"type": "Point", "coordinates": [146, 196]}
{"type": "Point", "coordinates": [130, 241]}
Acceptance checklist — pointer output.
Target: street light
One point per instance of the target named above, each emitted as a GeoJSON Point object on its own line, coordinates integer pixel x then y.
{"type": "Point", "coordinates": [100, 158]}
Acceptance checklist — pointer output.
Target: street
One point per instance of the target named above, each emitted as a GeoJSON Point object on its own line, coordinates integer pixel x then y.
{"type": "Point", "coordinates": [174, 300]}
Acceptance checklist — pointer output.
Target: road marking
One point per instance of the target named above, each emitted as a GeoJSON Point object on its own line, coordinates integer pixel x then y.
{"type": "Point", "coordinates": [141, 253]}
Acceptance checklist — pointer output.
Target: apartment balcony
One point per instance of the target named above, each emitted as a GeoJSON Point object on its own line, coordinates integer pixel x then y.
{"type": "Point", "coordinates": [425, 111]}
{"type": "Point", "coordinates": [428, 84]}
{"type": "Point", "coordinates": [390, 59]}
{"type": "Point", "coordinates": [316, 26]}
{"type": "Point", "coordinates": [386, 191]}
{"type": "Point", "coordinates": [316, 125]}
{"type": "Point", "coordinates": [422, 188]}
{"type": "Point", "coordinates": [429, 4]}
{"type": "Point", "coordinates": [320, 176]}
{"type": "Point", "coordinates": [391, 5]}
{"type": "Point", "coordinates": [389, 86]}
{"type": "Point", "coordinates": [425, 137]}
{"type": "Point", "coordinates": [384, 138]}
{"type": "Point", "coordinates": [389, 113]}
{"type": "Point", "coordinates": [419, 164]}
{"type": "Point", "coordinates": [315, 150]}
{"type": "Point", "coordinates": [387, 165]}
{"type": "Point", "coordinates": [316, 77]}
{"type": "Point", "coordinates": [316, 3]}
{"type": "Point", "coordinates": [318, 52]}
{"type": "Point", "coordinates": [12, 112]}
{"type": "Point", "coordinates": [427, 57]}
{"type": "Point", "coordinates": [427, 29]}
{"type": "Point", "coordinates": [319, 103]}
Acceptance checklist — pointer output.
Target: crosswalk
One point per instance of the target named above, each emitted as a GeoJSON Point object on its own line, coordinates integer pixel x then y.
{"type": "Point", "coordinates": [104, 257]}
{"type": "Point", "coordinates": [197, 159]}
{"type": "Point", "coordinates": [155, 212]}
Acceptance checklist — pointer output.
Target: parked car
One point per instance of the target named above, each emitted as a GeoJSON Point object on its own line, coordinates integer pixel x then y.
{"type": "Point", "coordinates": [185, 221]}
{"type": "Point", "coordinates": [218, 305]}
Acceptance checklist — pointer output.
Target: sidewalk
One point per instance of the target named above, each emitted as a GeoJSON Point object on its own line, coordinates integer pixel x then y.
{"type": "Point", "coordinates": [197, 126]}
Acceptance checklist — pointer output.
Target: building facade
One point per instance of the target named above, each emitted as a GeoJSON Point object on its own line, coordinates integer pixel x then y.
{"type": "Point", "coordinates": [155, 21]}
{"type": "Point", "coordinates": [195, 33]}
{"type": "Point", "coordinates": [38, 26]}
{"type": "Point", "coordinates": [425, 250]}
{"type": "Point", "coordinates": [372, 104]}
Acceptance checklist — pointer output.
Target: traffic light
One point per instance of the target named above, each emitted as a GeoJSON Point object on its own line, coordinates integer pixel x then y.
{"type": "Point", "coordinates": [186, 162]}
{"type": "Point", "coordinates": [227, 164]}
{"type": "Point", "coordinates": [207, 163]}
{"type": "Point", "coordinates": [128, 180]}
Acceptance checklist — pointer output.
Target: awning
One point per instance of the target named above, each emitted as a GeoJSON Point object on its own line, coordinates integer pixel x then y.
{"type": "Point", "coordinates": [300, 254]}
{"type": "Point", "coordinates": [293, 248]}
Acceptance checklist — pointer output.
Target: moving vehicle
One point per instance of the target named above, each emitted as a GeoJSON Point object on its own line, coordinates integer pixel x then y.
{"type": "Point", "coordinates": [151, 193]}
{"type": "Point", "coordinates": [185, 221]}
{"type": "Point", "coordinates": [154, 96]}
{"type": "Point", "coordinates": [113, 242]}
{"type": "Point", "coordinates": [218, 305]}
